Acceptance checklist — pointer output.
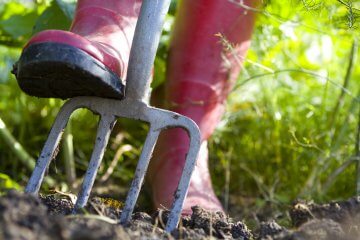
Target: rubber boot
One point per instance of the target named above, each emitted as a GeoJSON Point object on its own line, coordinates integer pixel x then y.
{"type": "Point", "coordinates": [209, 43]}
{"type": "Point", "coordinates": [89, 60]}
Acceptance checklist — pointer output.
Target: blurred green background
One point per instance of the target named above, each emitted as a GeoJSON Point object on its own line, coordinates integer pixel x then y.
{"type": "Point", "coordinates": [291, 129]}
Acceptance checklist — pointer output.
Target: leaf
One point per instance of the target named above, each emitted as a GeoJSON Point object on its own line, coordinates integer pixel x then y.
{"type": "Point", "coordinates": [12, 8]}
{"type": "Point", "coordinates": [7, 183]}
{"type": "Point", "coordinates": [159, 72]}
{"type": "Point", "coordinates": [7, 58]}
{"type": "Point", "coordinates": [68, 7]}
{"type": "Point", "coordinates": [173, 7]}
{"type": "Point", "coordinates": [19, 26]}
{"type": "Point", "coordinates": [52, 18]}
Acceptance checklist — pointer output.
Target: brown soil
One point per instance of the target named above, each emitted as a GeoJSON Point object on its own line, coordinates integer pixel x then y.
{"type": "Point", "coordinates": [24, 216]}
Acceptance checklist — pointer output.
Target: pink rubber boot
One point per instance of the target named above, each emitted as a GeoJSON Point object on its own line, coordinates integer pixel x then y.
{"type": "Point", "coordinates": [90, 59]}
{"type": "Point", "coordinates": [202, 68]}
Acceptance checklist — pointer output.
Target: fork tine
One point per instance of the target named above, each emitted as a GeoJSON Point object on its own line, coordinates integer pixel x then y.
{"type": "Point", "coordinates": [184, 182]}
{"type": "Point", "coordinates": [139, 175]}
{"type": "Point", "coordinates": [49, 150]}
{"type": "Point", "coordinates": [105, 127]}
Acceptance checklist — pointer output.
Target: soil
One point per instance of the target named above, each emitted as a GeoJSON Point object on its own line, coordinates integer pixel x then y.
{"type": "Point", "coordinates": [24, 216]}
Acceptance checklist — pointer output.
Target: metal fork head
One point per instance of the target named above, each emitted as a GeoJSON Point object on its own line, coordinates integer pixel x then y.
{"type": "Point", "coordinates": [109, 110]}
{"type": "Point", "coordinates": [143, 50]}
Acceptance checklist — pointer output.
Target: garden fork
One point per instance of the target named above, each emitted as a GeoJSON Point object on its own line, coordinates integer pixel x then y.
{"type": "Point", "coordinates": [134, 106]}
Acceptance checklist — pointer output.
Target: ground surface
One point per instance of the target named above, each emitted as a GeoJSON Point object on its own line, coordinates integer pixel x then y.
{"type": "Point", "coordinates": [26, 217]}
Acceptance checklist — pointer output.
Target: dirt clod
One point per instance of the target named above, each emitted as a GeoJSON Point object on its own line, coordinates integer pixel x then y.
{"type": "Point", "coordinates": [57, 206]}
{"type": "Point", "coordinates": [269, 229]}
{"type": "Point", "coordinates": [25, 217]}
{"type": "Point", "coordinates": [341, 212]}
{"type": "Point", "coordinates": [325, 229]}
{"type": "Point", "coordinates": [217, 224]}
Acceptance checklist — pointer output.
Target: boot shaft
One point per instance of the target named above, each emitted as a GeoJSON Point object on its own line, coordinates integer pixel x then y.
{"type": "Point", "coordinates": [97, 18]}
{"type": "Point", "coordinates": [209, 43]}
{"type": "Point", "coordinates": [197, 46]}
{"type": "Point", "coordinates": [128, 8]}
{"type": "Point", "coordinates": [109, 23]}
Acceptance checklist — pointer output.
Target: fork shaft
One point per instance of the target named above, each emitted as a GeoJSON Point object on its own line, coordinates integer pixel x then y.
{"type": "Point", "coordinates": [143, 50]}
{"type": "Point", "coordinates": [105, 126]}
{"type": "Point", "coordinates": [139, 175]}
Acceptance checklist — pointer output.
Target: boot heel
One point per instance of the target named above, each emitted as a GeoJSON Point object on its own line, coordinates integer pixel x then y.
{"type": "Point", "coordinates": [59, 70]}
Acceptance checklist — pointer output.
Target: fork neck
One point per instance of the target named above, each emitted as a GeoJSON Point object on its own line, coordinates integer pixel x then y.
{"type": "Point", "coordinates": [142, 55]}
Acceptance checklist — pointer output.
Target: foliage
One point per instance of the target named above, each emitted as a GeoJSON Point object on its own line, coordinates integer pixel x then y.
{"type": "Point", "coordinates": [7, 183]}
{"type": "Point", "coordinates": [293, 115]}
{"type": "Point", "coordinates": [292, 119]}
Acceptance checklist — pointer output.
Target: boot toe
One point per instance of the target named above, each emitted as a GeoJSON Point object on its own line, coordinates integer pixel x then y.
{"type": "Point", "coordinates": [59, 70]}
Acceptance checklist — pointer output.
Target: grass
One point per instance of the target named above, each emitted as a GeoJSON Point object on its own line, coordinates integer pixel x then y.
{"type": "Point", "coordinates": [292, 131]}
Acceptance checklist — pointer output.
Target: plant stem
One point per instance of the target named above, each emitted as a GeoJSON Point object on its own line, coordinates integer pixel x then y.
{"type": "Point", "coordinates": [293, 70]}
{"type": "Point", "coordinates": [19, 150]}
{"type": "Point", "coordinates": [68, 155]}
{"type": "Point", "coordinates": [115, 161]}
{"type": "Point", "coordinates": [16, 147]}
{"type": "Point", "coordinates": [357, 154]}
{"type": "Point", "coordinates": [313, 182]}
{"type": "Point", "coordinates": [331, 179]}
{"type": "Point", "coordinates": [227, 182]}
{"type": "Point", "coordinates": [340, 101]}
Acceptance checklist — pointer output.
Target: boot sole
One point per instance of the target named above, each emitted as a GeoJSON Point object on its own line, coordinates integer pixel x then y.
{"type": "Point", "coordinates": [55, 70]}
